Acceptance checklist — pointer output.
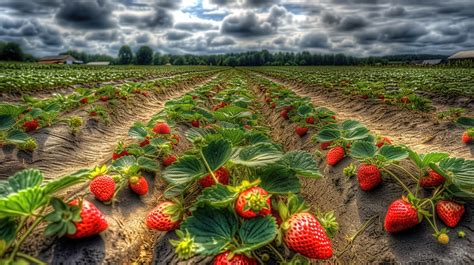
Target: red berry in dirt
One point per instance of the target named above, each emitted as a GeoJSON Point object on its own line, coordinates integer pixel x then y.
{"type": "Point", "coordinates": [237, 259]}
{"type": "Point", "coordinates": [325, 145]}
{"type": "Point", "coordinates": [433, 179]}
{"type": "Point", "coordinates": [306, 236]}
{"type": "Point", "coordinates": [84, 100]}
{"type": "Point", "coordinates": [383, 141]}
{"type": "Point", "coordinates": [310, 120]}
{"type": "Point", "coordinates": [195, 123]}
{"type": "Point", "coordinates": [162, 128]}
{"type": "Point", "coordinates": [164, 217]}
{"type": "Point", "coordinates": [335, 155]}
{"type": "Point", "coordinates": [468, 136]}
{"type": "Point", "coordinates": [253, 202]}
{"type": "Point", "coordinates": [103, 188]}
{"type": "Point", "coordinates": [138, 184]}
{"type": "Point", "coordinates": [401, 215]}
{"type": "Point", "coordinates": [284, 114]}
{"type": "Point", "coordinates": [93, 114]}
{"type": "Point", "coordinates": [274, 105]}
{"type": "Point", "coordinates": [369, 177]}
{"type": "Point", "coordinates": [248, 127]}
{"type": "Point", "coordinates": [30, 126]}
{"type": "Point", "coordinates": [169, 160]}
{"type": "Point", "coordinates": [404, 100]}
{"type": "Point", "coordinates": [449, 212]}
{"type": "Point", "coordinates": [116, 156]}
{"type": "Point", "coordinates": [92, 221]}
{"type": "Point", "coordinates": [301, 131]}
{"type": "Point", "coordinates": [104, 98]}
{"type": "Point", "coordinates": [222, 175]}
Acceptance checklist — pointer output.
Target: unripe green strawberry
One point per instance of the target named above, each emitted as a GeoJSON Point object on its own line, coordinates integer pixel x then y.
{"type": "Point", "coordinates": [138, 184]}
{"type": "Point", "coordinates": [306, 236]}
{"type": "Point", "coordinates": [103, 188]}
{"type": "Point", "coordinates": [253, 202]}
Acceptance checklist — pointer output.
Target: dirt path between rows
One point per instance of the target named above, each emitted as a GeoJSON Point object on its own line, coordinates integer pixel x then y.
{"type": "Point", "coordinates": [60, 153]}
{"type": "Point", "coordinates": [420, 131]}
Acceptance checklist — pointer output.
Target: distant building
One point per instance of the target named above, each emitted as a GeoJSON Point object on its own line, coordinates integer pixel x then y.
{"type": "Point", "coordinates": [168, 64]}
{"type": "Point", "coordinates": [60, 59]}
{"type": "Point", "coordinates": [462, 56]}
{"type": "Point", "coordinates": [431, 62]}
{"type": "Point", "coordinates": [98, 63]}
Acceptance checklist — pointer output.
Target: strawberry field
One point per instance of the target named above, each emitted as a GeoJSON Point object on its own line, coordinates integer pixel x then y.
{"type": "Point", "coordinates": [209, 165]}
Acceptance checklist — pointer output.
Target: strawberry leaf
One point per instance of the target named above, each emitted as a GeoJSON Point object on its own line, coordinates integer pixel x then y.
{"type": "Point", "coordinates": [24, 179]}
{"type": "Point", "coordinates": [195, 133]}
{"type": "Point", "coordinates": [234, 135]}
{"type": "Point", "coordinates": [393, 153]}
{"type": "Point", "coordinates": [22, 203]}
{"type": "Point", "coordinates": [185, 170]}
{"type": "Point", "coordinates": [64, 182]}
{"type": "Point", "coordinates": [256, 155]}
{"type": "Point", "coordinates": [217, 153]}
{"type": "Point", "coordinates": [217, 196]}
{"type": "Point", "coordinates": [6, 122]}
{"type": "Point", "coordinates": [460, 173]}
{"type": "Point", "coordinates": [327, 135]}
{"type": "Point", "coordinates": [138, 131]}
{"type": "Point", "coordinates": [302, 163]}
{"type": "Point", "coordinates": [278, 179]}
{"type": "Point", "coordinates": [423, 160]}
{"type": "Point", "coordinates": [466, 122]}
{"type": "Point", "coordinates": [17, 137]}
{"type": "Point", "coordinates": [8, 227]}
{"type": "Point", "coordinates": [361, 150]}
{"type": "Point", "coordinates": [257, 137]}
{"type": "Point", "coordinates": [213, 229]}
{"type": "Point", "coordinates": [148, 164]}
{"type": "Point", "coordinates": [256, 233]}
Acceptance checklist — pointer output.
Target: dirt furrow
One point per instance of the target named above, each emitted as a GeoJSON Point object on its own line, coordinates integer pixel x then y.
{"type": "Point", "coordinates": [57, 156]}
{"type": "Point", "coordinates": [420, 131]}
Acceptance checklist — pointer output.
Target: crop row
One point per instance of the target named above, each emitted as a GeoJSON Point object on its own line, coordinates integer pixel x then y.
{"type": "Point", "coordinates": [19, 119]}
{"type": "Point", "coordinates": [26, 77]}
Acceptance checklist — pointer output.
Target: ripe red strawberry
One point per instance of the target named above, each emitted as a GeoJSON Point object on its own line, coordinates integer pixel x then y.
{"type": "Point", "coordinates": [93, 113]}
{"type": "Point", "coordinates": [30, 126]}
{"type": "Point", "coordinates": [449, 212]}
{"type": "Point", "coordinates": [468, 136]}
{"type": "Point", "coordinates": [301, 131]}
{"type": "Point", "coordinates": [195, 123]}
{"type": "Point", "coordinates": [401, 215]}
{"type": "Point", "coordinates": [382, 141]}
{"type": "Point", "coordinates": [306, 236]}
{"type": "Point", "coordinates": [138, 184]}
{"type": "Point", "coordinates": [325, 145]}
{"type": "Point", "coordinates": [92, 221]}
{"type": "Point", "coordinates": [335, 155]}
{"type": "Point", "coordinates": [165, 216]}
{"type": "Point", "coordinates": [381, 97]}
{"type": "Point", "coordinates": [222, 175]}
{"type": "Point", "coordinates": [104, 98]}
{"type": "Point", "coordinates": [284, 114]}
{"type": "Point", "coordinates": [84, 100]}
{"type": "Point", "coordinates": [248, 127]}
{"type": "Point", "coordinates": [145, 142]}
{"type": "Point", "coordinates": [310, 120]}
{"type": "Point", "coordinates": [162, 128]}
{"type": "Point", "coordinates": [116, 156]}
{"type": "Point", "coordinates": [169, 160]}
{"type": "Point", "coordinates": [103, 188]}
{"type": "Point", "coordinates": [274, 105]}
{"type": "Point", "coordinates": [253, 202]}
{"type": "Point", "coordinates": [433, 179]}
{"type": "Point", "coordinates": [145, 93]}
{"type": "Point", "coordinates": [237, 259]}
{"type": "Point", "coordinates": [368, 176]}
{"type": "Point", "coordinates": [404, 100]}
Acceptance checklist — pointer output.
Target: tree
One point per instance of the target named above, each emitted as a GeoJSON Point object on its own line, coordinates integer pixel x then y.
{"type": "Point", "coordinates": [12, 52]}
{"type": "Point", "coordinates": [144, 55]}
{"type": "Point", "coordinates": [230, 61]}
{"type": "Point", "coordinates": [157, 59]}
{"type": "Point", "coordinates": [125, 55]}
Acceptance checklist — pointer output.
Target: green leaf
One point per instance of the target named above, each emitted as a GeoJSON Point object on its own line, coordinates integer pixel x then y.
{"type": "Point", "coordinates": [147, 164]}
{"type": "Point", "coordinates": [423, 160]}
{"type": "Point", "coordinates": [217, 196]}
{"type": "Point", "coordinates": [302, 163]}
{"type": "Point", "coordinates": [5, 188]}
{"type": "Point", "coordinates": [234, 135]}
{"type": "Point", "coordinates": [257, 137]}
{"type": "Point", "coordinates": [459, 172]}
{"type": "Point", "coordinates": [17, 137]}
{"type": "Point", "coordinates": [175, 191]}
{"type": "Point", "coordinates": [64, 182]}
{"type": "Point", "coordinates": [466, 122]}
{"type": "Point", "coordinates": [185, 170]}
{"type": "Point", "coordinates": [6, 122]}
{"type": "Point", "coordinates": [24, 179]}
{"type": "Point", "coordinates": [126, 165]}
{"type": "Point", "coordinates": [217, 153]}
{"type": "Point", "coordinates": [357, 133]}
{"type": "Point", "coordinates": [257, 155]}
{"type": "Point", "coordinates": [137, 131]}
{"type": "Point", "coordinates": [305, 109]}
{"type": "Point", "coordinates": [212, 229]}
{"type": "Point", "coordinates": [327, 135]}
{"type": "Point", "coordinates": [349, 125]}
{"type": "Point", "coordinates": [361, 150]}
{"type": "Point", "coordinates": [393, 153]}
{"type": "Point", "coordinates": [8, 228]}
{"type": "Point", "coordinates": [195, 133]}
{"type": "Point", "coordinates": [256, 233]}
{"type": "Point", "coordinates": [23, 203]}
{"type": "Point", "coordinates": [278, 179]}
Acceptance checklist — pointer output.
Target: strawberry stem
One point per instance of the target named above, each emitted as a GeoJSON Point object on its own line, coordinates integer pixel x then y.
{"type": "Point", "coordinates": [30, 258]}
{"type": "Point", "coordinates": [208, 167]}
{"type": "Point", "coordinates": [274, 250]}
{"type": "Point", "coordinates": [406, 171]}
{"type": "Point", "coordinates": [358, 232]}
{"type": "Point", "coordinates": [398, 180]}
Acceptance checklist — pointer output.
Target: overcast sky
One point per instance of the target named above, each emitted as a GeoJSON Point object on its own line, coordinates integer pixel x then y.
{"type": "Point", "coordinates": [357, 27]}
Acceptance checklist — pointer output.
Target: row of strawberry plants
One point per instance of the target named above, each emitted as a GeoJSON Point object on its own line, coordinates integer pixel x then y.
{"type": "Point", "coordinates": [450, 179]}
{"type": "Point", "coordinates": [26, 201]}
{"type": "Point", "coordinates": [19, 119]}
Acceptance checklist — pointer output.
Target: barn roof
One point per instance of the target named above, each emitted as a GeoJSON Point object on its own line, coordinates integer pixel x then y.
{"type": "Point", "coordinates": [463, 55]}
{"type": "Point", "coordinates": [58, 58]}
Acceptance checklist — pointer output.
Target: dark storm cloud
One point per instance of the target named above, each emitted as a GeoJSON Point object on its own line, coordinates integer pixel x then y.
{"type": "Point", "coordinates": [86, 14]}
{"type": "Point", "coordinates": [352, 23]}
{"type": "Point", "coordinates": [194, 26]}
{"type": "Point", "coordinates": [171, 4]}
{"type": "Point", "coordinates": [107, 36]}
{"type": "Point", "coordinates": [143, 38]}
{"type": "Point", "coordinates": [395, 11]}
{"type": "Point", "coordinates": [158, 18]}
{"type": "Point", "coordinates": [260, 3]}
{"type": "Point", "coordinates": [246, 25]}
{"type": "Point", "coordinates": [314, 40]}
{"type": "Point", "coordinates": [177, 35]}
{"type": "Point", "coordinates": [221, 41]}
{"type": "Point", "coordinates": [404, 32]}
{"type": "Point", "coordinates": [28, 7]}
{"type": "Point", "coordinates": [222, 2]}
{"type": "Point", "coordinates": [330, 18]}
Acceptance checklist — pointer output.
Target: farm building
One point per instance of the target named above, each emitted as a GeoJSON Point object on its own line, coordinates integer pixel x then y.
{"type": "Point", "coordinates": [59, 59]}
{"type": "Point", "coordinates": [98, 63]}
{"type": "Point", "coordinates": [427, 62]}
{"type": "Point", "coordinates": [462, 56]}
